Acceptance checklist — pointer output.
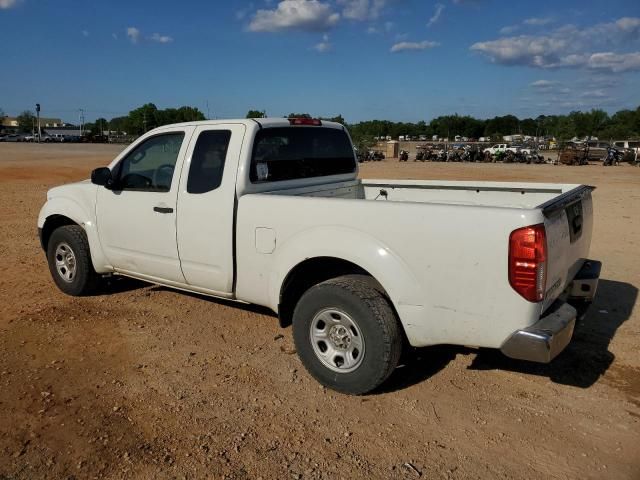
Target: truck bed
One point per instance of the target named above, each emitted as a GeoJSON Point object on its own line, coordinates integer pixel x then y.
{"type": "Point", "coordinates": [485, 194]}
{"type": "Point", "coordinates": [450, 238]}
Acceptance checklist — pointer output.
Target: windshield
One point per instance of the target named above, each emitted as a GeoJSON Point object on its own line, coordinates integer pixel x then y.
{"type": "Point", "coordinates": [289, 153]}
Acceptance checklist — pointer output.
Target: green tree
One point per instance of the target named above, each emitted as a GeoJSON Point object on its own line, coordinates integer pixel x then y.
{"type": "Point", "coordinates": [26, 121]}
{"type": "Point", "coordinates": [256, 114]}
{"type": "Point", "coordinates": [143, 119]}
{"type": "Point", "coordinates": [119, 124]}
{"type": "Point", "coordinates": [338, 119]}
{"type": "Point", "coordinates": [97, 127]}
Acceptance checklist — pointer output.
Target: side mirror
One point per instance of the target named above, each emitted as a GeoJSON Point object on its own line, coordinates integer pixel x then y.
{"type": "Point", "coordinates": [102, 176]}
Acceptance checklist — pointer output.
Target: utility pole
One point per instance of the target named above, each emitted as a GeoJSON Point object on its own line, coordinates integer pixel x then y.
{"type": "Point", "coordinates": [81, 118]}
{"type": "Point", "coordinates": [38, 114]}
{"type": "Point", "coordinates": [144, 121]}
{"type": "Point", "coordinates": [208, 116]}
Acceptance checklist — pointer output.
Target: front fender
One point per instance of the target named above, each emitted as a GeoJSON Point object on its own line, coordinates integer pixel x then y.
{"type": "Point", "coordinates": [354, 246]}
{"type": "Point", "coordinates": [79, 214]}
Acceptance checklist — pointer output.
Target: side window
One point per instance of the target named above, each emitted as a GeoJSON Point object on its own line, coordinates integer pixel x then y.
{"type": "Point", "coordinates": [149, 167]}
{"type": "Point", "coordinates": [207, 163]}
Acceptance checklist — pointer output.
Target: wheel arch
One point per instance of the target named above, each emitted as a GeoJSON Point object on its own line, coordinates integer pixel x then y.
{"type": "Point", "coordinates": [308, 273]}
{"type": "Point", "coordinates": [61, 211]}
{"type": "Point", "coordinates": [52, 223]}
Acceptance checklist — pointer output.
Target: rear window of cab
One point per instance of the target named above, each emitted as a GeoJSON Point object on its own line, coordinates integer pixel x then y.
{"type": "Point", "coordinates": [290, 153]}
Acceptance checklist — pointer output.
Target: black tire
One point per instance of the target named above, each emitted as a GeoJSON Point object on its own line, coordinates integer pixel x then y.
{"type": "Point", "coordinates": [362, 299]}
{"type": "Point", "coordinates": [84, 280]}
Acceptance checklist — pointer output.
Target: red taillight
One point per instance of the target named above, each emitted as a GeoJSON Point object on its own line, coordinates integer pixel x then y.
{"type": "Point", "coordinates": [305, 121]}
{"type": "Point", "coordinates": [527, 262]}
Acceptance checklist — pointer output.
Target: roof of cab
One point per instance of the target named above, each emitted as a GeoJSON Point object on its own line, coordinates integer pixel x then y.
{"type": "Point", "coordinates": [262, 122]}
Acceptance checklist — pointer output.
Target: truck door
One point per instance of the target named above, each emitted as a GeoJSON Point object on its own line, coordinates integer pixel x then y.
{"type": "Point", "coordinates": [137, 217]}
{"type": "Point", "coordinates": [206, 205]}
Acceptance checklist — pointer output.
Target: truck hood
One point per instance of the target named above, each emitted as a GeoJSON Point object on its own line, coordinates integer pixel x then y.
{"type": "Point", "coordinates": [71, 189]}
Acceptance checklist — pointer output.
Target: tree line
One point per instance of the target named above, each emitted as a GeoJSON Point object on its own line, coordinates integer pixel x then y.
{"type": "Point", "coordinates": [596, 123]}
{"type": "Point", "coordinates": [624, 124]}
{"type": "Point", "coordinates": [136, 122]}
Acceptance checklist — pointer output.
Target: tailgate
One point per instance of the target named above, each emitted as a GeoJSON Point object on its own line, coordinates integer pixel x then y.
{"type": "Point", "coordinates": [568, 223]}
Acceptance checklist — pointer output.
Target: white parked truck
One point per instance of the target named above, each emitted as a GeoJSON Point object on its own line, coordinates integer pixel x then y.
{"type": "Point", "coordinates": [497, 148]}
{"type": "Point", "coordinates": [271, 212]}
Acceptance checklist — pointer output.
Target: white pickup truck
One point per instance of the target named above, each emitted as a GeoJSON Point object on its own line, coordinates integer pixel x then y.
{"type": "Point", "coordinates": [271, 212]}
{"type": "Point", "coordinates": [497, 148]}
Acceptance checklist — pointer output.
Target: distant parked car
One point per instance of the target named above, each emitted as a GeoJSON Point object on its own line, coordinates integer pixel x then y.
{"type": "Point", "coordinates": [34, 138]}
{"type": "Point", "coordinates": [3, 137]}
{"type": "Point", "coordinates": [597, 150]}
{"type": "Point", "coordinates": [99, 139]}
{"type": "Point", "coordinates": [630, 147]}
{"type": "Point", "coordinates": [14, 137]}
{"type": "Point", "coordinates": [495, 149]}
{"type": "Point", "coordinates": [519, 149]}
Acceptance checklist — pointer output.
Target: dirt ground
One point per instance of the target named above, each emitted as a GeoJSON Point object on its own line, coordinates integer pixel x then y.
{"type": "Point", "coordinates": [146, 382]}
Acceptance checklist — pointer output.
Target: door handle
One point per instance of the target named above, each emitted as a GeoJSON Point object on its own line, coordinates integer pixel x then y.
{"type": "Point", "coordinates": [163, 209]}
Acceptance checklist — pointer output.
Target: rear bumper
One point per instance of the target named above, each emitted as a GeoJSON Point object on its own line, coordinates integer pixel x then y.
{"type": "Point", "coordinates": [545, 339]}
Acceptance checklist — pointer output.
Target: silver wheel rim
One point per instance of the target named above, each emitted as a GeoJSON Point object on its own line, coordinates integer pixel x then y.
{"type": "Point", "coordinates": [65, 262]}
{"type": "Point", "coordinates": [337, 340]}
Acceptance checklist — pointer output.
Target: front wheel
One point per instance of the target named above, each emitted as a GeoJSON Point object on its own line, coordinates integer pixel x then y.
{"type": "Point", "coordinates": [346, 334]}
{"type": "Point", "coordinates": [70, 261]}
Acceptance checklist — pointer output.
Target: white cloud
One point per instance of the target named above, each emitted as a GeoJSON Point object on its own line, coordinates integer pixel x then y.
{"type": "Point", "coordinates": [6, 4]}
{"type": "Point", "coordinates": [156, 37]}
{"type": "Point", "coordinates": [538, 21]}
{"type": "Point", "coordinates": [530, 22]}
{"type": "Point", "coordinates": [599, 93]}
{"type": "Point", "coordinates": [85, 33]}
{"type": "Point", "coordinates": [549, 87]}
{"type": "Point", "coordinates": [628, 24]}
{"type": "Point", "coordinates": [615, 62]}
{"type": "Point", "coordinates": [309, 15]}
{"type": "Point", "coordinates": [412, 46]}
{"type": "Point", "coordinates": [543, 83]}
{"type": "Point", "coordinates": [509, 29]}
{"type": "Point", "coordinates": [523, 50]}
{"type": "Point", "coordinates": [570, 47]}
{"type": "Point", "coordinates": [134, 34]}
{"type": "Point", "coordinates": [362, 9]}
{"type": "Point", "coordinates": [436, 14]}
{"type": "Point", "coordinates": [324, 46]}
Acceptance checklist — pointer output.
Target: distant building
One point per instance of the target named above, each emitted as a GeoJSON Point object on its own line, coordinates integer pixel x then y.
{"type": "Point", "coordinates": [11, 123]}
{"type": "Point", "coordinates": [66, 131]}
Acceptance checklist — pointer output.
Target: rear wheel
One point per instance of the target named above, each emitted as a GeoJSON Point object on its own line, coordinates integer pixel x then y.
{"type": "Point", "coordinates": [346, 334]}
{"type": "Point", "coordinates": [69, 261]}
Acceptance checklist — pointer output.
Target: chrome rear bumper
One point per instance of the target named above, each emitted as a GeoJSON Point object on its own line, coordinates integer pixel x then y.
{"type": "Point", "coordinates": [546, 338]}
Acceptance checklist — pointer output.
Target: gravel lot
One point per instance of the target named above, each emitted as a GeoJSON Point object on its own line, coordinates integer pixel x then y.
{"type": "Point", "coordinates": [151, 383]}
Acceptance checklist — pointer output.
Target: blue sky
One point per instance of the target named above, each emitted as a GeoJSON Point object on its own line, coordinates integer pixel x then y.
{"type": "Point", "coordinates": [403, 60]}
